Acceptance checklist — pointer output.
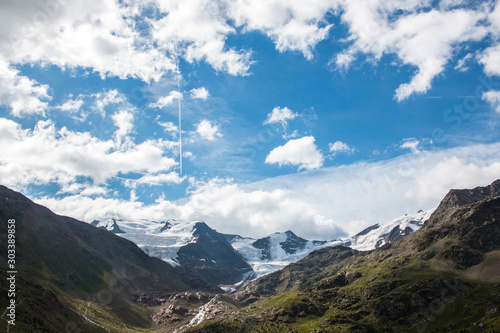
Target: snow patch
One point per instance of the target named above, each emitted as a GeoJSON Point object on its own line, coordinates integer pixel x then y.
{"type": "Point", "coordinates": [375, 237]}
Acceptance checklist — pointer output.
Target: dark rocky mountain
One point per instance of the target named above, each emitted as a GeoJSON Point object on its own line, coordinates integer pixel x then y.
{"type": "Point", "coordinates": [166, 226]}
{"type": "Point", "coordinates": [71, 274]}
{"type": "Point", "coordinates": [212, 258]}
{"type": "Point", "coordinates": [458, 198]}
{"type": "Point", "coordinates": [444, 277]}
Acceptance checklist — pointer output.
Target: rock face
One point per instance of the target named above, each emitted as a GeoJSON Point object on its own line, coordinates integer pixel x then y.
{"type": "Point", "coordinates": [212, 258]}
{"type": "Point", "coordinates": [443, 277]}
{"type": "Point", "coordinates": [458, 198]}
{"type": "Point", "coordinates": [290, 244]}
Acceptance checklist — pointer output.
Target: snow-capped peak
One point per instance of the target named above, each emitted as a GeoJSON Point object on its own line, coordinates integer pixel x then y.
{"type": "Point", "coordinates": [275, 251]}
{"type": "Point", "coordinates": [165, 240]}
{"type": "Point", "coordinates": [377, 235]}
{"type": "Point", "coordinates": [109, 225]}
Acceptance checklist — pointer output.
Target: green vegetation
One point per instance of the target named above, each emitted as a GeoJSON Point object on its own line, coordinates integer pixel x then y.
{"type": "Point", "coordinates": [443, 278]}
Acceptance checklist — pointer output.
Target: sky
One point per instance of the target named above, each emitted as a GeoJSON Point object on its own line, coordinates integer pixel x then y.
{"type": "Point", "coordinates": [322, 117]}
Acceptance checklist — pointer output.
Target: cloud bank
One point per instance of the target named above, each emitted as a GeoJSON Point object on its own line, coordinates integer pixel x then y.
{"type": "Point", "coordinates": [321, 204]}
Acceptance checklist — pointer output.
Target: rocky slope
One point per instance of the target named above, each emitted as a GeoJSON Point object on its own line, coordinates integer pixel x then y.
{"type": "Point", "coordinates": [194, 246]}
{"type": "Point", "coordinates": [71, 274]}
{"type": "Point", "coordinates": [443, 277]}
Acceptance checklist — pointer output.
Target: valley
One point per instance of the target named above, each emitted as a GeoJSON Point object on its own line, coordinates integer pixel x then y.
{"type": "Point", "coordinates": [430, 271]}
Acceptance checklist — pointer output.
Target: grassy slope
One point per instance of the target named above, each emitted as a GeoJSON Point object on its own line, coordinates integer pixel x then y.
{"type": "Point", "coordinates": [65, 265]}
{"type": "Point", "coordinates": [442, 278]}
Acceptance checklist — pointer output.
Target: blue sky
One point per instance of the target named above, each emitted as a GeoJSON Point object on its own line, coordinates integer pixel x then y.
{"type": "Point", "coordinates": [321, 117]}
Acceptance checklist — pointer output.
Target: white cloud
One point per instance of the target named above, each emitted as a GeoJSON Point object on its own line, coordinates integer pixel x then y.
{"type": "Point", "coordinates": [200, 93]}
{"type": "Point", "coordinates": [158, 179]}
{"type": "Point", "coordinates": [71, 105]}
{"type": "Point", "coordinates": [462, 63]}
{"type": "Point", "coordinates": [292, 25]}
{"type": "Point", "coordinates": [280, 115]}
{"type": "Point", "coordinates": [89, 209]}
{"type": "Point", "coordinates": [197, 30]}
{"type": "Point", "coordinates": [411, 144]}
{"type": "Point", "coordinates": [341, 147]}
{"type": "Point", "coordinates": [45, 154]}
{"type": "Point", "coordinates": [124, 120]}
{"type": "Point", "coordinates": [493, 97]}
{"type": "Point", "coordinates": [324, 204]}
{"type": "Point", "coordinates": [299, 152]}
{"type": "Point", "coordinates": [96, 35]}
{"type": "Point", "coordinates": [208, 131]}
{"type": "Point", "coordinates": [388, 189]}
{"type": "Point", "coordinates": [490, 58]}
{"type": "Point", "coordinates": [21, 94]}
{"type": "Point", "coordinates": [84, 189]}
{"type": "Point", "coordinates": [166, 100]}
{"type": "Point", "coordinates": [424, 39]}
{"type": "Point", "coordinates": [169, 126]}
{"type": "Point", "coordinates": [123, 38]}
{"type": "Point", "coordinates": [106, 98]}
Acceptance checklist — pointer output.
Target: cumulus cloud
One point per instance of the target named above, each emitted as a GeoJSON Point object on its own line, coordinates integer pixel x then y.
{"type": "Point", "coordinates": [124, 120]}
{"type": "Point", "coordinates": [493, 97]}
{"type": "Point", "coordinates": [423, 39]}
{"type": "Point", "coordinates": [46, 154]}
{"type": "Point", "coordinates": [280, 115]}
{"type": "Point", "coordinates": [200, 93]}
{"type": "Point", "coordinates": [197, 30]}
{"type": "Point", "coordinates": [293, 25]}
{"type": "Point", "coordinates": [301, 152]}
{"type": "Point", "coordinates": [100, 36]}
{"type": "Point", "coordinates": [490, 58]}
{"type": "Point", "coordinates": [21, 94]}
{"type": "Point", "coordinates": [340, 147]}
{"type": "Point", "coordinates": [73, 108]}
{"type": "Point", "coordinates": [123, 39]}
{"type": "Point", "coordinates": [391, 188]}
{"type": "Point", "coordinates": [207, 130]}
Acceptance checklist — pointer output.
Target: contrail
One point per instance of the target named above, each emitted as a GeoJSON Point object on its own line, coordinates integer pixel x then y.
{"type": "Point", "coordinates": [180, 121]}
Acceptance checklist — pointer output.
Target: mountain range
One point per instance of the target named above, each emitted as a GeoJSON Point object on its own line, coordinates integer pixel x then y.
{"type": "Point", "coordinates": [431, 271]}
{"type": "Point", "coordinates": [222, 259]}
{"type": "Point", "coordinates": [445, 277]}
